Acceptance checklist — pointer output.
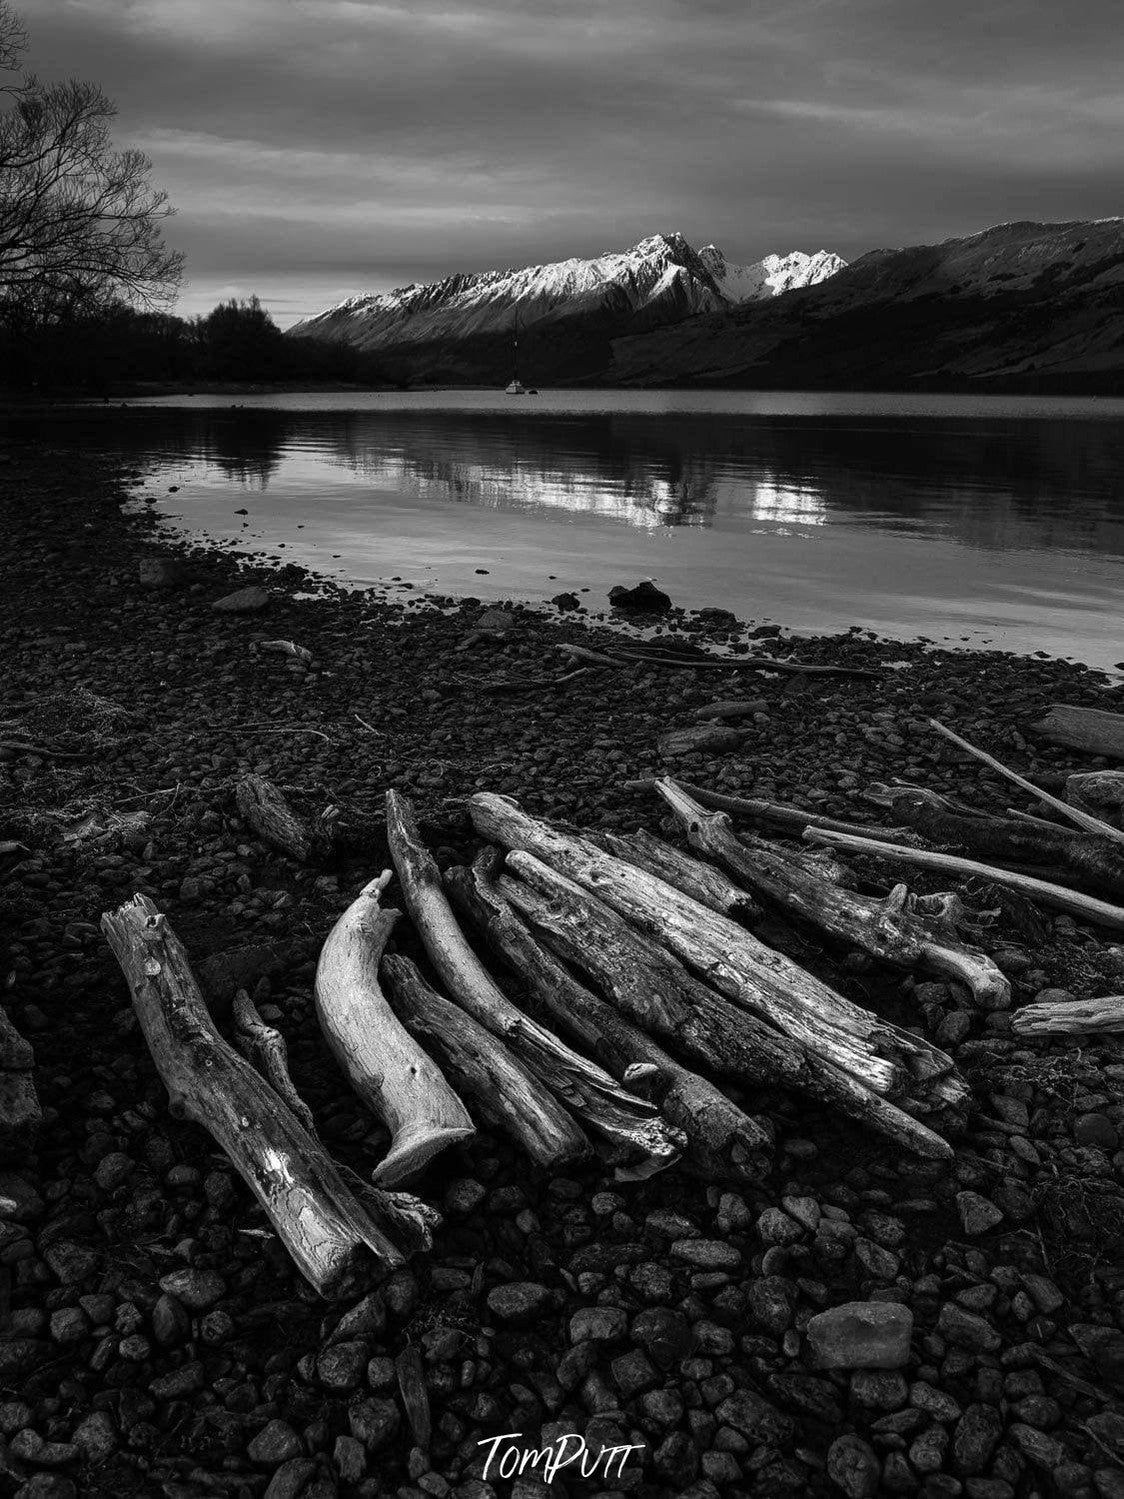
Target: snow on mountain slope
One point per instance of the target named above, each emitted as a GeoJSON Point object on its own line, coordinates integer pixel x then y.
{"type": "Point", "coordinates": [660, 274]}
{"type": "Point", "coordinates": [771, 276]}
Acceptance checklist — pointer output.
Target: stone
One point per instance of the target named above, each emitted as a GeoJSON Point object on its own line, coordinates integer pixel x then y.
{"type": "Point", "coordinates": [861, 1335]}
{"type": "Point", "coordinates": [566, 601]}
{"type": "Point", "coordinates": [366, 1320]}
{"type": "Point", "coordinates": [19, 1200]}
{"type": "Point", "coordinates": [290, 1480]}
{"type": "Point", "coordinates": [70, 1262]}
{"type": "Point", "coordinates": [978, 1214]}
{"type": "Point", "coordinates": [95, 1436]}
{"type": "Point", "coordinates": [69, 1325]}
{"type": "Point", "coordinates": [707, 1254]}
{"type": "Point", "coordinates": [113, 1170]}
{"type": "Point", "coordinates": [374, 1423]}
{"type": "Point", "coordinates": [853, 1466]}
{"type": "Point", "coordinates": [1096, 1129]}
{"type": "Point", "coordinates": [879, 1389]}
{"type": "Point", "coordinates": [197, 1289]}
{"type": "Point", "coordinates": [966, 1330]}
{"type": "Point", "coordinates": [770, 1303]}
{"type": "Point", "coordinates": [598, 1324]}
{"type": "Point", "coordinates": [159, 573]}
{"type": "Point", "coordinates": [274, 1444]}
{"type": "Point", "coordinates": [243, 601]}
{"type": "Point", "coordinates": [776, 1227]}
{"type": "Point", "coordinates": [645, 598]}
{"type": "Point", "coordinates": [756, 1419]}
{"type": "Point", "coordinates": [520, 1303]}
{"type": "Point", "coordinates": [1036, 1446]}
{"type": "Point", "coordinates": [665, 1334]}
{"type": "Point", "coordinates": [342, 1366]}
{"type": "Point", "coordinates": [350, 1459]}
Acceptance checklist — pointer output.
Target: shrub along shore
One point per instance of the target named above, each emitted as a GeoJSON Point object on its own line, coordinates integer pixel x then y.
{"type": "Point", "coordinates": [158, 1340]}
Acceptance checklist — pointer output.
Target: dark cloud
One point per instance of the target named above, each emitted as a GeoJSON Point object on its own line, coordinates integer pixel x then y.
{"type": "Point", "coordinates": [316, 148]}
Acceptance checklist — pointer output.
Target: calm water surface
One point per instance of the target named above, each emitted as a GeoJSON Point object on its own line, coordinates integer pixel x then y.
{"type": "Point", "coordinates": [991, 520]}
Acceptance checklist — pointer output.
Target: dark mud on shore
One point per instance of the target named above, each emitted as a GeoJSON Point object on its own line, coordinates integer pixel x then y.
{"type": "Point", "coordinates": [158, 1343]}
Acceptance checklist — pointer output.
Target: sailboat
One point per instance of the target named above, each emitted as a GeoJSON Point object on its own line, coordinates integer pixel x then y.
{"type": "Point", "coordinates": [516, 388]}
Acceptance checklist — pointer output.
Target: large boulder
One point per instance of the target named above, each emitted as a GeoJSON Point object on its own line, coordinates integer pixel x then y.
{"type": "Point", "coordinates": [645, 598]}
{"type": "Point", "coordinates": [243, 601]}
{"type": "Point", "coordinates": [861, 1335]}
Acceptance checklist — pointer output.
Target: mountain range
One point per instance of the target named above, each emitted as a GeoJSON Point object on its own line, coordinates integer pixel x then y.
{"type": "Point", "coordinates": [1019, 305]}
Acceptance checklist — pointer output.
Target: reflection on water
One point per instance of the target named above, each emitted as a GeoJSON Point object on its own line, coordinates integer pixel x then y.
{"type": "Point", "coordinates": [1008, 527]}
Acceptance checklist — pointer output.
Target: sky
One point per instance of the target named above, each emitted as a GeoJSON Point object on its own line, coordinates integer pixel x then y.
{"type": "Point", "coordinates": [316, 149]}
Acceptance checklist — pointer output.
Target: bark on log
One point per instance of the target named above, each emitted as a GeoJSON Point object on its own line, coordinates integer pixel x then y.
{"type": "Point", "coordinates": [1091, 730]}
{"type": "Point", "coordinates": [886, 929]}
{"type": "Point", "coordinates": [659, 994]}
{"type": "Point", "coordinates": [702, 882]}
{"type": "Point", "coordinates": [1086, 858]}
{"type": "Point", "coordinates": [725, 1142]}
{"type": "Point", "coordinates": [19, 1102]}
{"type": "Point", "coordinates": [627, 1122]}
{"type": "Point", "coordinates": [1084, 907]}
{"type": "Point", "coordinates": [383, 1063]}
{"type": "Point", "coordinates": [886, 1059]}
{"type": "Point", "coordinates": [1073, 814]}
{"type": "Point", "coordinates": [334, 1240]}
{"type": "Point", "coordinates": [510, 1098]}
{"type": "Point", "coordinates": [1075, 1017]}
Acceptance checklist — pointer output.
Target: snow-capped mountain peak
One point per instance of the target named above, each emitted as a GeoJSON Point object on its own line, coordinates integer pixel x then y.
{"type": "Point", "coordinates": [771, 276]}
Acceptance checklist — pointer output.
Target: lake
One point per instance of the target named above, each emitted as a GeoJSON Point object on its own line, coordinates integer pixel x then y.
{"type": "Point", "coordinates": [995, 521]}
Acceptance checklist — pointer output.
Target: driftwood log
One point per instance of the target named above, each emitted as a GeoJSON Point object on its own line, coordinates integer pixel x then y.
{"type": "Point", "coordinates": [1082, 857]}
{"type": "Point", "coordinates": [886, 929]}
{"type": "Point", "coordinates": [732, 708]}
{"type": "Point", "coordinates": [702, 882]}
{"type": "Point", "coordinates": [698, 736]}
{"type": "Point", "coordinates": [410, 1220]}
{"type": "Point", "coordinates": [1084, 907]}
{"type": "Point", "coordinates": [792, 819]}
{"type": "Point", "coordinates": [730, 958]}
{"type": "Point", "coordinates": [263, 807]}
{"type": "Point", "coordinates": [629, 1123]}
{"type": "Point", "coordinates": [657, 992]}
{"type": "Point", "coordinates": [1075, 1017]}
{"type": "Point", "coordinates": [1091, 730]}
{"type": "Point", "coordinates": [508, 1096]}
{"type": "Point", "coordinates": [1098, 791]}
{"type": "Point", "coordinates": [334, 1239]}
{"type": "Point", "coordinates": [391, 1073]}
{"type": "Point", "coordinates": [724, 1141]}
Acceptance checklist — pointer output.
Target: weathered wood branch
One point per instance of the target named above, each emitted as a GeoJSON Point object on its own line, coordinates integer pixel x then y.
{"type": "Point", "coordinates": [791, 819]}
{"type": "Point", "coordinates": [505, 1092]}
{"type": "Point", "coordinates": [732, 708]}
{"type": "Point", "coordinates": [1074, 814]}
{"type": "Point", "coordinates": [886, 929]}
{"type": "Point", "coordinates": [1097, 791]}
{"type": "Point", "coordinates": [1075, 1017]}
{"type": "Point", "coordinates": [760, 980]}
{"type": "Point", "coordinates": [658, 993]}
{"type": "Point", "coordinates": [335, 1241]}
{"type": "Point", "coordinates": [1085, 907]}
{"type": "Point", "coordinates": [391, 1073]}
{"type": "Point", "coordinates": [689, 738]}
{"type": "Point", "coordinates": [1089, 729]}
{"type": "Point", "coordinates": [262, 806]}
{"type": "Point", "coordinates": [724, 1140]}
{"type": "Point", "coordinates": [1084, 857]}
{"type": "Point", "coordinates": [587, 1090]}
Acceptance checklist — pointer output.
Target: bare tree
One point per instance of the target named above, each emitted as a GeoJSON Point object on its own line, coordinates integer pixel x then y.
{"type": "Point", "coordinates": [80, 222]}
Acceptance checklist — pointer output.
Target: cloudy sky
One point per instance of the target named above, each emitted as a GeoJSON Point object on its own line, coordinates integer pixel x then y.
{"type": "Point", "coordinates": [319, 148]}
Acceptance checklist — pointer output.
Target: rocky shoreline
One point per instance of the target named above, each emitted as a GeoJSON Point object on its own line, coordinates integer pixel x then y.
{"type": "Point", "coordinates": [158, 1342]}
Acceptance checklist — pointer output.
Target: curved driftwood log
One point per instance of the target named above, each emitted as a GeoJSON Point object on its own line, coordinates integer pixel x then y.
{"type": "Point", "coordinates": [724, 1140]}
{"type": "Point", "coordinates": [658, 993]}
{"type": "Point", "coordinates": [1074, 1017]}
{"type": "Point", "coordinates": [383, 1063]}
{"type": "Point", "coordinates": [508, 1096]}
{"type": "Point", "coordinates": [885, 929]}
{"type": "Point", "coordinates": [334, 1239]}
{"type": "Point", "coordinates": [886, 1060]}
{"type": "Point", "coordinates": [1083, 857]}
{"type": "Point", "coordinates": [628, 1122]}
{"type": "Point", "coordinates": [1089, 729]}
{"type": "Point", "coordinates": [1085, 907]}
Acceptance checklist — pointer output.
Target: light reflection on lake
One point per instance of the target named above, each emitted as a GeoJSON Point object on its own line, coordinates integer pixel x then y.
{"type": "Point", "coordinates": [994, 519]}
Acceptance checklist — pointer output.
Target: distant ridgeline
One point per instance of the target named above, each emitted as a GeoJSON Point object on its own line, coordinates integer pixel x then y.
{"type": "Point", "coordinates": [1020, 306]}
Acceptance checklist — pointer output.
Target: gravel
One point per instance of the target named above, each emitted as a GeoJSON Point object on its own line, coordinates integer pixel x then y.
{"type": "Point", "coordinates": [858, 1323]}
